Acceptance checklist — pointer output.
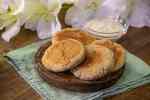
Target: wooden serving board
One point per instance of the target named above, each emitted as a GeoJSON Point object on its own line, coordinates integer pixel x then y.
{"type": "Point", "coordinates": [67, 80]}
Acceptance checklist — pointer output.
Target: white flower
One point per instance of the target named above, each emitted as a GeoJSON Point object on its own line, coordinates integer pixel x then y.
{"type": "Point", "coordinates": [9, 17]}
{"type": "Point", "coordinates": [36, 15]}
{"type": "Point", "coordinates": [41, 15]}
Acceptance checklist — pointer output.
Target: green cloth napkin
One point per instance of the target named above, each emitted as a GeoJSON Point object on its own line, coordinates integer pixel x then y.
{"type": "Point", "coordinates": [136, 73]}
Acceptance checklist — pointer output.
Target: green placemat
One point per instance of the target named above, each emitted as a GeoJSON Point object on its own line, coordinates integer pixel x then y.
{"type": "Point", "coordinates": [136, 73]}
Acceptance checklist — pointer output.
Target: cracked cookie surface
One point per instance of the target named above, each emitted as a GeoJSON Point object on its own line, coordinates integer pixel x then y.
{"type": "Point", "coordinates": [98, 62]}
{"type": "Point", "coordinates": [119, 52]}
{"type": "Point", "coordinates": [63, 55]}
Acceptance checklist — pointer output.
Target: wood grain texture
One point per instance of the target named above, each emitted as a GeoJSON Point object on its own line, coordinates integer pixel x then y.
{"type": "Point", "coordinates": [13, 87]}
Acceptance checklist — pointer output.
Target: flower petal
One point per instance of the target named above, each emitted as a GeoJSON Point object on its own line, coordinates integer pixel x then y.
{"type": "Point", "coordinates": [141, 15]}
{"type": "Point", "coordinates": [11, 31]}
{"type": "Point", "coordinates": [54, 6]}
{"type": "Point", "coordinates": [47, 29]}
{"type": "Point", "coordinates": [69, 1]}
{"type": "Point", "coordinates": [4, 5]}
{"type": "Point", "coordinates": [31, 25]}
{"type": "Point", "coordinates": [19, 6]}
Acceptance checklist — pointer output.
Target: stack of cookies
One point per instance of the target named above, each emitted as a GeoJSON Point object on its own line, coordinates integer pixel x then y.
{"type": "Point", "coordinates": [83, 55]}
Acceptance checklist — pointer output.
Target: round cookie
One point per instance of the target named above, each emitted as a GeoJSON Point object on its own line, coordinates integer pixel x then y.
{"type": "Point", "coordinates": [63, 55]}
{"type": "Point", "coordinates": [73, 33]}
{"type": "Point", "coordinates": [99, 60]}
{"type": "Point", "coordinates": [119, 52]}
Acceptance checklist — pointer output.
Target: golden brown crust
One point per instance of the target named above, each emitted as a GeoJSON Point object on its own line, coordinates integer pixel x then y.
{"type": "Point", "coordinates": [73, 33]}
{"type": "Point", "coordinates": [68, 51]}
{"type": "Point", "coordinates": [119, 52]}
{"type": "Point", "coordinates": [99, 60]}
{"type": "Point", "coordinates": [63, 55]}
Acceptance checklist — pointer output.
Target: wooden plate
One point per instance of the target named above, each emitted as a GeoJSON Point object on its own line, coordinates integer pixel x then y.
{"type": "Point", "coordinates": [66, 80]}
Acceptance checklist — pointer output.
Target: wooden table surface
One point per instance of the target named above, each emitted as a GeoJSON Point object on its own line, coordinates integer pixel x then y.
{"type": "Point", "coordinates": [13, 87]}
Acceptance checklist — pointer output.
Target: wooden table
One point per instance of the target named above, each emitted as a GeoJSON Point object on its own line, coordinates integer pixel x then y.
{"type": "Point", "coordinates": [13, 87]}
